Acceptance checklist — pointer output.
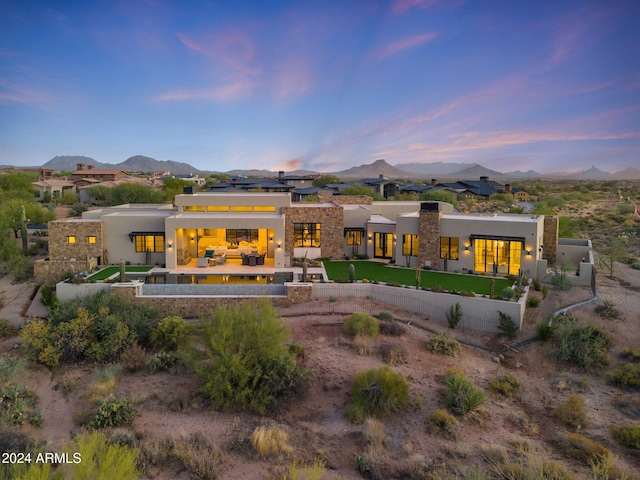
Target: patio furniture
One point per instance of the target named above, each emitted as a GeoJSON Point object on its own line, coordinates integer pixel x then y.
{"type": "Point", "coordinates": [260, 259]}
{"type": "Point", "coordinates": [252, 260]}
{"type": "Point", "coordinates": [203, 261]}
{"type": "Point", "coordinates": [245, 258]}
{"type": "Point", "coordinates": [220, 259]}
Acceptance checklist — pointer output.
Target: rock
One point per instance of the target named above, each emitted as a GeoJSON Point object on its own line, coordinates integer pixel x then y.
{"type": "Point", "coordinates": [518, 365]}
{"type": "Point", "coordinates": [495, 359]}
{"type": "Point", "coordinates": [501, 357]}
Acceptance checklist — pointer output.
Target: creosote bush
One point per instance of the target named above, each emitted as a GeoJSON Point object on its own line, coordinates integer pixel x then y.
{"type": "Point", "coordinates": [442, 420]}
{"type": "Point", "coordinates": [607, 309]}
{"type": "Point", "coordinates": [386, 316]}
{"type": "Point", "coordinates": [171, 333]}
{"type": "Point", "coordinates": [585, 346]}
{"type": "Point", "coordinates": [444, 345]}
{"type": "Point", "coordinates": [626, 376]}
{"type": "Point", "coordinates": [393, 354]}
{"type": "Point", "coordinates": [361, 324]}
{"type": "Point", "coordinates": [377, 393]}
{"type": "Point", "coordinates": [114, 413]}
{"type": "Point", "coordinates": [391, 329]}
{"type": "Point", "coordinates": [572, 414]}
{"type": "Point", "coordinates": [627, 435]}
{"type": "Point", "coordinates": [505, 385]}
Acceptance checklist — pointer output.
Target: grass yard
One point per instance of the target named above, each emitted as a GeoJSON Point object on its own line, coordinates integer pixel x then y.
{"type": "Point", "coordinates": [112, 270]}
{"type": "Point", "coordinates": [376, 271]}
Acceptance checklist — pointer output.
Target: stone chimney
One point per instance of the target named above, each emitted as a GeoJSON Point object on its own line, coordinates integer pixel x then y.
{"type": "Point", "coordinates": [90, 167]}
{"type": "Point", "coordinates": [80, 166]}
{"type": "Point", "coordinates": [484, 178]}
{"type": "Point", "coordinates": [507, 187]}
{"type": "Point", "coordinates": [434, 181]}
{"type": "Point", "coordinates": [281, 174]}
{"type": "Point", "coordinates": [381, 177]}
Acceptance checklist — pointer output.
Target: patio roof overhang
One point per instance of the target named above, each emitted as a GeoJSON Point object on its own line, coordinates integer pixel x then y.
{"type": "Point", "coordinates": [496, 237]}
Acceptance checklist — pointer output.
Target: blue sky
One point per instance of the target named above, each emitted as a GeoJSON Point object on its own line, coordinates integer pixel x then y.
{"type": "Point", "coordinates": [323, 85]}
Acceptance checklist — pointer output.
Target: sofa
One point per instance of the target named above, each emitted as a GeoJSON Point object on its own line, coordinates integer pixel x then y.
{"type": "Point", "coordinates": [231, 251]}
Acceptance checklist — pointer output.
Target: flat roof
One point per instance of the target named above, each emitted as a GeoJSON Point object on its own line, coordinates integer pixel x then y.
{"type": "Point", "coordinates": [228, 216]}
{"type": "Point", "coordinates": [482, 217]}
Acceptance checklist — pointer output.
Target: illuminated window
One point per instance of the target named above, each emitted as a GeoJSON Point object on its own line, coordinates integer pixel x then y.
{"type": "Point", "coordinates": [91, 239]}
{"type": "Point", "coordinates": [449, 248]}
{"type": "Point", "coordinates": [259, 208]}
{"type": "Point", "coordinates": [410, 245]}
{"type": "Point", "coordinates": [150, 243]}
{"type": "Point", "coordinates": [354, 237]}
{"type": "Point", "coordinates": [217, 208]}
{"type": "Point", "coordinates": [194, 208]}
{"type": "Point", "coordinates": [241, 208]}
{"type": "Point", "coordinates": [71, 239]}
{"type": "Point", "coordinates": [306, 234]}
{"type": "Point", "coordinates": [237, 235]}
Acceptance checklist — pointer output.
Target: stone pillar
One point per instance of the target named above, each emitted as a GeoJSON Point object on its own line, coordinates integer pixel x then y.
{"type": "Point", "coordinates": [550, 239]}
{"type": "Point", "coordinates": [429, 235]}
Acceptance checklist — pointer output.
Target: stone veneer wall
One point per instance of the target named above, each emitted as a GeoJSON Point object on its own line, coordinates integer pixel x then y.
{"type": "Point", "coordinates": [331, 220]}
{"type": "Point", "coordinates": [192, 305]}
{"type": "Point", "coordinates": [345, 199]}
{"type": "Point", "coordinates": [50, 272]}
{"type": "Point", "coordinates": [60, 249]}
{"type": "Point", "coordinates": [550, 239]}
{"type": "Point", "coordinates": [429, 238]}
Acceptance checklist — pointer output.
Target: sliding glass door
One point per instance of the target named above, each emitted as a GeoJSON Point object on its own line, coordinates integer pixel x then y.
{"type": "Point", "coordinates": [497, 256]}
{"type": "Point", "coordinates": [383, 245]}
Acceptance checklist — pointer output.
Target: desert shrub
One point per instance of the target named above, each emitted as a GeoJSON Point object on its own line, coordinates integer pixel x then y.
{"type": "Point", "coordinates": [361, 324]}
{"type": "Point", "coordinates": [537, 286]}
{"type": "Point", "coordinates": [9, 366]}
{"type": "Point", "coordinates": [505, 385]}
{"type": "Point", "coordinates": [300, 470]}
{"type": "Point", "coordinates": [627, 435]}
{"type": "Point", "coordinates": [627, 404]}
{"type": "Point", "coordinates": [454, 315]}
{"type": "Point", "coordinates": [386, 316]}
{"type": "Point", "coordinates": [635, 265]}
{"type": "Point", "coordinates": [101, 458]}
{"type": "Point", "coordinates": [48, 296]}
{"type": "Point", "coordinates": [531, 469]}
{"type": "Point", "coordinates": [113, 413]}
{"type": "Point", "coordinates": [6, 330]}
{"type": "Point", "coordinates": [163, 361]}
{"type": "Point", "coordinates": [507, 326]}
{"type": "Point", "coordinates": [585, 346]}
{"type": "Point", "coordinates": [377, 393]}
{"type": "Point", "coordinates": [626, 376]}
{"type": "Point", "coordinates": [362, 344]}
{"type": "Point", "coordinates": [134, 358]}
{"type": "Point", "coordinates": [544, 331]}
{"type": "Point", "coordinates": [248, 364]}
{"type": "Point", "coordinates": [533, 302]}
{"type": "Point", "coordinates": [525, 423]}
{"type": "Point", "coordinates": [582, 448]}
{"type": "Point", "coordinates": [270, 441]}
{"type": "Point", "coordinates": [444, 345]}
{"type": "Point", "coordinates": [171, 333]}
{"type": "Point", "coordinates": [545, 291]}
{"type": "Point", "coordinates": [200, 457]}
{"type": "Point", "coordinates": [105, 383]}
{"type": "Point", "coordinates": [631, 354]}
{"type": "Point", "coordinates": [607, 309]}
{"type": "Point", "coordinates": [374, 432]}
{"type": "Point", "coordinates": [571, 413]}
{"type": "Point", "coordinates": [461, 395]}
{"type": "Point", "coordinates": [391, 329]}
{"type": "Point", "coordinates": [18, 405]}
{"type": "Point", "coordinates": [393, 354]}
{"type": "Point", "coordinates": [442, 420]}
{"type": "Point", "coordinates": [298, 351]}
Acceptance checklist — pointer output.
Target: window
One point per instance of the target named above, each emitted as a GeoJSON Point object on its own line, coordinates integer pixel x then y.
{"type": "Point", "coordinates": [260, 208]}
{"type": "Point", "coordinates": [71, 239]}
{"type": "Point", "coordinates": [354, 237]}
{"type": "Point", "coordinates": [91, 239]}
{"type": "Point", "coordinates": [306, 234]}
{"type": "Point", "coordinates": [237, 235]}
{"type": "Point", "coordinates": [497, 255]}
{"type": "Point", "coordinates": [150, 242]}
{"type": "Point", "coordinates": [217, 208]}
{"type": "Point", "coordinates": [194, 208]}
{"type": "Point", "coordinates": [410, 245]}
{"type": "Point", "coordinates": [449, 248]}
{"type": "Point", "coordinates": [241, 208]}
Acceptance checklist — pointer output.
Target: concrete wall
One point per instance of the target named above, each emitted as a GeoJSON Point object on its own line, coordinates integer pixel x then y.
{"type": "Point", "coordinates": [118, 226]}
{"type": "Point", "coordinates": [278, 200]}
{"type": "Point", "coordinates": [66, 291]}
{"type": "Point", "coordinates": [480, 313]}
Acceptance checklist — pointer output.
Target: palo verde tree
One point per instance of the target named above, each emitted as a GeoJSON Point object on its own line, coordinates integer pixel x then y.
{"type": "Point", "coordinates": [249, 366]}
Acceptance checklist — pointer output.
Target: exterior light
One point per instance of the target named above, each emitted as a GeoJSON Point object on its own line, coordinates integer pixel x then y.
{"type": "Point", "coordinates": [170, 244]}
{"type": "Point", "coordinates": [528, 253]}
{"type": "Point", "coordinates": [466, 248]}
{"type": "Point", "coordinates": [279, 245]}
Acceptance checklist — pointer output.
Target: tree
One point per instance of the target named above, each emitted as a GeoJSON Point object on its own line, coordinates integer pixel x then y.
{"type": "Point", "coordinates": [362, 190]}
{"type": "Point", "coordinates": [440, 196]}
{"type": "Point", "coordinates": [175, 186]}
{"type": "Point", "coordinates": [616, 251]}
{"type": "Point", "coordinates": [325, 180]}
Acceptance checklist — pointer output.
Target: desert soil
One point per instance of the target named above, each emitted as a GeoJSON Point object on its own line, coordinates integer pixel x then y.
{"type": "Point", "coordinates": [317, 425]}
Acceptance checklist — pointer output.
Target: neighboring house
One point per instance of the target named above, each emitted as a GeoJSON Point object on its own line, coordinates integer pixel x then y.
{"type": "Point", "coordinates": [198, 180]}
{"type": "Point", "coordinates": [55, 187]}
{"type": "Point", "coordinates": [229, 223]}
{"type": "Point", "coordinates": [84, 192]}
{"type": "Point", "coordinates": [87, 174]}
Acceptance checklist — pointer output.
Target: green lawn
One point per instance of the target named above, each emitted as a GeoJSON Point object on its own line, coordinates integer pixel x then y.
{"type": "Point", "coordinates": [108, 271]}
{"type": "Point", "coordinates": [339, 270]}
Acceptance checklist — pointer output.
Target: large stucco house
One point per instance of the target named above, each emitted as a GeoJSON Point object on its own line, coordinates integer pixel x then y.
{"type": "Point", "coordinates": [202, 230]}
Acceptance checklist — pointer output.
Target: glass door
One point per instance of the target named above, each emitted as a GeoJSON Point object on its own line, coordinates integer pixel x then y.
{"type": "Point", "coordinates": [497, 256]}
{"type": "Point", "coordinates": [383, 245]}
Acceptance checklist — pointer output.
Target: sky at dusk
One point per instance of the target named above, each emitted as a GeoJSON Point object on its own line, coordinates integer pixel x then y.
{"type": "Point", "coordinates": [323, 85]}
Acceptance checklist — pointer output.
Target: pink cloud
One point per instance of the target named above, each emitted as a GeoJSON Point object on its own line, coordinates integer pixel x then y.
{"type": "Point", "coordinates": [403, 44]}
{"type": "Point", "coordinates": [401, 6]}
{"type": "Point", "coordinates": [14, 93]}
{"type": "Point", "coordinates": [240, 90]}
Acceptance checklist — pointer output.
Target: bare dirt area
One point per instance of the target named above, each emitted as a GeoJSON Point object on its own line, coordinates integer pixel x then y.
{"type": "Point", "coordinates": [317, 425]}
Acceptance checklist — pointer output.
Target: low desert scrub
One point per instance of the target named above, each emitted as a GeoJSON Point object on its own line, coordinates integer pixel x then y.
{"type": "Point", "coordinates": [362, 344]}
{"type": "Point", "coordinates": [585, 346]}
{"type": "Point", "coordinates": [171, 333]}
{"type": "Point", "coordinates": [544, 331]}
{"type": "Point", "coordinates": [299, 470]}
{"type": "Point", "coordinates": [581, 448]}
{"type": "Point", "coordinates": [626, 376]}
{"type": "Point", "coordinates": [154, 452]}
{"type": "Point", "coordinates": [531, 469]}
{"type": "Point", "coordinates": [572, 414]}
{"type": "Point", "coordinates": [444, 345]}
{"type": "Point", "coordinates": [105, 383]}
{"type": "Point", "coordinates": [631, 354]}
{"type": "Point", "coordinates": [113, 413]}
{"type": "Point", "coordinates": [377, 393]}
{"type": "Point", "coordinates": [393, 354]}
{"type": "Point", "coordinates": [441, 420]}
{"type": "Point", "coordinates": [386, 316]}
{"type": "Point", "coordinates": [607, 309]}
{"type": "Point", "coordinates": [270, 441]}
{"type": "Point", "coordinates": [533, 302]}
{"type": "Point", "coordinates": [18, 405]}
{"type": "Point", "coordinates": [462, 396]}
{"type": "Point", "coordinates": [525, 423]}
{"type": "Point", "coordinates": [391, 329]}
{"type": "Point", "coordinates": [505, 385]}
{"type": "Point", "coordinates": [67, 383]}
{"type": "Point", "coordinates": [361, 324]}
{"type": "Point", "coordinates": [374, 432]}
{"type": "Point", "coordinates": [163, 361]}
{"type": "Point", "coordinates": [10, 366]}
{"type": "Point", "coordinates": [507, 326]}
{"type": "Point", "coordinates": [574, 386]}
{"type": "Point", "coordinates": [627, 435]}
{"type": "Point", "coordinates": [6, 330]}
{"type": "Point", "coordinates": [134, 358]}
{"type": "Point", "coordinates": [202, 458]}
{"type": "Point", "coordinates": [627, 404]}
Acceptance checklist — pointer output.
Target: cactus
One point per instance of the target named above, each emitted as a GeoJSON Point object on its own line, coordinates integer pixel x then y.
{"type": "Point", "coordinates": [418, 277]}
{"type": "Point", "coordinates": [122, 270]}
{"type": "Point", "coordinates": [493, 285]}
{"type": "Point", "coordinates": [352, 273]}
{"type": "Point", "coordinates": [304, 270]}
{"type": "Point", "coordinates": [23, 228]}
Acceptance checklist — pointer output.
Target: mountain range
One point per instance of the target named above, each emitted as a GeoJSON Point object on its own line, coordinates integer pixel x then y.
{"type": "Point", "coordinates": [439, 170]}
